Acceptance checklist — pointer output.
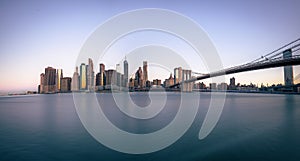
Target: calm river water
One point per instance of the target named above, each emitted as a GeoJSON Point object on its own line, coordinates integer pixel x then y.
{"type": "Point", "coordinates": [251, 127]}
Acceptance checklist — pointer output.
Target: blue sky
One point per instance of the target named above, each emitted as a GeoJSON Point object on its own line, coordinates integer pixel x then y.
{"type": "Point", "coordinates": [37, 34]}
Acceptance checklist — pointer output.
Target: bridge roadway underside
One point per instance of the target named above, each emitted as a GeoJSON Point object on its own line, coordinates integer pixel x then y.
{"type": "Point", "coordinates": [245, 68]}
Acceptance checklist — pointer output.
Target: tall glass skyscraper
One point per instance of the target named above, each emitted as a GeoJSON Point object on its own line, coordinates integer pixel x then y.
{"type": "Point", "coordinates": [42, 83]}
{"type": "Point", "coordinates": [83, 77]}
{"type": "Point", "coordinates": [58, 79]}
{"type": "Point", "coordinates": [90, 75]}
{"type": "Point", "coordinates": [75, 80]}
{"type": "Point", "coordinates": [102, 75]}
{"type": "Point", "coordinates": [145, 73]}
{"type": "Point", "coordinates": [125, 63]}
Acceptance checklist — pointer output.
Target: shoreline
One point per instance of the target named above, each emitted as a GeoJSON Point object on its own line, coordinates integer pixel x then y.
{"type": "Point", "coordinates": [200, 91]}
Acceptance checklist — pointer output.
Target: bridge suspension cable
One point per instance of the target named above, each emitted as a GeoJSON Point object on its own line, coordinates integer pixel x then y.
{"type": "Point", "coordinates": [278, 52]}
{"type": "Point", "coordinates": [270, 60]}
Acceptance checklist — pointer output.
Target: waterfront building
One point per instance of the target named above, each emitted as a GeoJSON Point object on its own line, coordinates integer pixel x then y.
{"type": "Point", "coordinates": [125, 63]}
{"type": "Point", "coordinates": [66, 84]}
{"type": "Point", "coordinates": [50, 80]}
{"type": "Point", "coordinates": [42, 83]}
{"type": "Point", "coordinates": [212, 86]}
{"type": "Point", "coordinates": [111, 78]}
{"type": "Point", "coordinates": [75, 80]}
{"type": "Point", "coordinates": [118, 75]}
{"type": "Point", "coordinates": [139, 78]}
{"type": "Point", "coordinates": [232, 85]}
{"type": "Point", "coordinates": [59, 75]}
{"type": "Point", "coordinates": [83, 77]}
{"type": "Point", "coordinates": [102, 75]}
{"type": "Point", "coordinates": [131, 84]}
{"type": "Point", "coordinates": [145, 73]}
{"type": "Point", "coordinates": [200, 85]}
{"type": "Point", "coordinates": [90, 75]}
{"type": "Point", "coordinates": [100, 78]}
{"type": "Point", "coordinates": [169, 81]}
{"type": "Point", "coordinates": [223, 86]}
{"type": "Point", "coordinates": [156, 82]}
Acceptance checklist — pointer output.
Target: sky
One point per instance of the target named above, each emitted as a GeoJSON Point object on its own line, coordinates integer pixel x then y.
{"type": "Point", "coordinates": [38, 34]}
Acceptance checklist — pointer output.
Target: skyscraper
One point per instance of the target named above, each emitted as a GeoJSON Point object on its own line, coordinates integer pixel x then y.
{"type": "Point", "coordinates": [75, 80]}
{"type": "Point", "coordinates": [50, 80]}
{"type": "Point", "coordinates": [145, 73]}
{"type": "Point", "coordinates": [100, 78]}
{"type": "Point", "coordinates": [125, 63]}
{"type": "Point", "coordinates": [139, 78]}
{"type": "Point", "coordinates": [169, 81]}
{"type": "Point", "coordinates": [118, 75]}
{"type": "Point", "coordinates": [58, 78]}
{"type": "Point", "coordinates": [42, 83]}
{"type": "Point", "coordinates": [288, 70]}
{"type": "Point", "coordinates": [66, 84]}
{"type": "Point", "coordinates": [102, 75]}
{"type": "Point", "coordinates": [83, 77]}
{"type": "Point", "coordinates": [90, 75]}
{"type": "Point", "coordinates": [232, 84]}
{"type": "Point", "coordinates": [111, 78]}
{"type": "Point", "coordinates": [232, 81]}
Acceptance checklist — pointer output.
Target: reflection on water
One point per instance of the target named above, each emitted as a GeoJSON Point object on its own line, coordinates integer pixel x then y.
{"type": "Point", "coordinates": [251, 127]}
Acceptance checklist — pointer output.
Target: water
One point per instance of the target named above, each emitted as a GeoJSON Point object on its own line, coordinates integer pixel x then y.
{"type": "Point", "coordinates": [251, 127]}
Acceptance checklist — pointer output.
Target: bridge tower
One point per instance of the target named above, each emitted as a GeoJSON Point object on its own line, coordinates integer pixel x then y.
{"type": "Point", "coordinates": [186, 75]}
{"type": "Point", "coordinates": [288, 70]}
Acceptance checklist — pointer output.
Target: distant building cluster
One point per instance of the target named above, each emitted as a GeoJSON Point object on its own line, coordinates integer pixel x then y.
{"type": "Point", "coordinates": [52, 81]}
{"type": "Point", "coordinates": [84, 80]}
{"type": "Point", "coordinates": [140, 79]}
{"type": "Point", "coordinates": [232, 86]}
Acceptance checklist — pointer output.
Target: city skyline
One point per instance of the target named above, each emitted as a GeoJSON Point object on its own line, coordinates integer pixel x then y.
{"type": "Point", "coordinates": [241, 31]}
{"type": "Point", "coordinates": [52, 80]}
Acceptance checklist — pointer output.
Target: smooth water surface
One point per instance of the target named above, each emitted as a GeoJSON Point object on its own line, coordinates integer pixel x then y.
{"type": "Point", "coordinates": [251, 127]}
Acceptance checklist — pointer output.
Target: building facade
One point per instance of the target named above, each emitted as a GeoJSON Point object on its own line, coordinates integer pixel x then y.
{"type": "Point", "coordinates": [111, 78]}
{"type": "Point", "coordinates": [75, 80]}
{"type": "Point", "coordinates": [102, 75]}
{"type": "Point", "coordinates": [50, 80]}
{"type": "Point", "coordinates": [212, 86]}
{"type": "Point", "coordinates": [58, 79]}
{"type": "Point", "coordinates": [125, 63]}
{"type": "Point", "coordinates": [232, 85]}
{"type": "Point", "coordinates": [42, 83]}
{"type": "Point", "coordinates": [139, 78]}
{"type": "Point", "coordinates": [145, 73]}
{"type": "Point", "coordinates": [156, 82]}
{"type": "Point", "coordinates": [169, 81]}
{"type": "Point", "coordinates": [83, 77]}
{"type": "Point", "coordinates": [90, 75]}
{"type": "Point", "coordinates": [66, 84]}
